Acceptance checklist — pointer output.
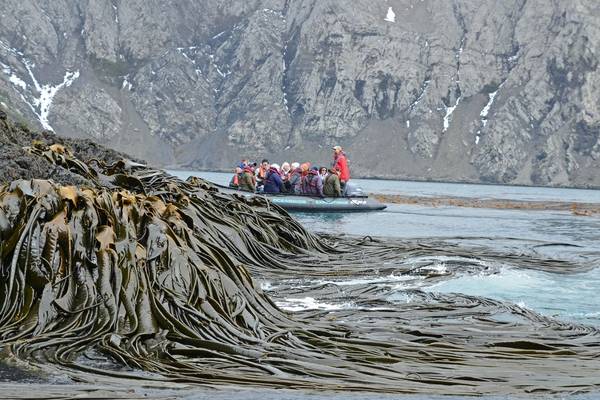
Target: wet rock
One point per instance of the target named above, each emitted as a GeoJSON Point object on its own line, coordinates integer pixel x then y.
{"type": "Point", "coordinates": [16, 163]}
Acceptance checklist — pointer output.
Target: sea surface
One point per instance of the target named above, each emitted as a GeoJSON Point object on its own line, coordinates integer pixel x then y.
{"type": "Point", "coordinates": [553, 234]}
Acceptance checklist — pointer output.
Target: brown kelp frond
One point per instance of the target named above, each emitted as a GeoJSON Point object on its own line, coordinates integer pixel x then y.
{"type": "Point", "coordinates": [155, 273]}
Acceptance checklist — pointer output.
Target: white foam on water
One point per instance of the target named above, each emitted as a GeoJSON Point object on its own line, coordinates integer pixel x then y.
{"type": "Point", "coordinates": [266, 286]}
{"type": "Point", "coordinates": [309, 303]}
{"type": "Point", "coordinates": [438, 267]}
{"type": "Point", "coordinates": [587, 315]}
{"type": "Point", "coordinates": [370, 280]}
{"type": "Point", "coordinates": [402, 297]}
{"type": "Point", "coordinates": [522, 304]}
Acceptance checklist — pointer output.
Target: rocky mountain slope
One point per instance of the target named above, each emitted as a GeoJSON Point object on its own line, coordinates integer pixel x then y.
{"type": "Point", "coordinates": [451, 90]}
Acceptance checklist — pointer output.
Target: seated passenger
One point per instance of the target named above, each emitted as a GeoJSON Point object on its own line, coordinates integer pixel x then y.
{"type": "Point", "coordinates": [294, 183]}
{"type": "Point", "coordinates": [332, 187]}
{"type": "Point", "coordinates": [261, 172]}
{"type": "Point", "coordinates": [247, 180]}
{"type": "Point", "coordinates": [285, 171]}
{"type": "Point", "coordinates": [312, 184]}
{"type": "Point", "coordinates": [235, 179]}
{"type": "Point", "coordinates": [323, 173]}
{"type": "Point", "coordinates": [305, 167]}
{"type": "Point", "coordinates": [273, 182]}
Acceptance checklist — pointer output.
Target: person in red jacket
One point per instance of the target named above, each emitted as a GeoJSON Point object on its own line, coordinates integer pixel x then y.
{"type": "Point", "coordinates": [340, 161]}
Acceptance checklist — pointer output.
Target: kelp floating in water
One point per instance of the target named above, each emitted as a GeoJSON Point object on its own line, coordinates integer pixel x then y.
{"type": "Point", "coordinates": [154, 272]}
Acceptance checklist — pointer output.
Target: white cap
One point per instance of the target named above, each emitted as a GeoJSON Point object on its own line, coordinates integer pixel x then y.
{"type": "Point", "coordinates": [295, 165]}
{"type": "Point", "coordinates": [276, 166]}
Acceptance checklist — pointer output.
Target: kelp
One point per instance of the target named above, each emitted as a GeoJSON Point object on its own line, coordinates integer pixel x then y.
{"type": "Point", "coordinates": [157, 274]}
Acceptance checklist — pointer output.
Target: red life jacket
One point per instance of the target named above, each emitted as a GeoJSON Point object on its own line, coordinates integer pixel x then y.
{"type": "Point", "coordinates": [342, 163]}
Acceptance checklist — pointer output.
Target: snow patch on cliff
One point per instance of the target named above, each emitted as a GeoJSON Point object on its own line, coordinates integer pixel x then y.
{"type": "Point", "coordinates": [390, 16]}
{"type": "Point", "coordinates": [11, 50]}
{"type": "Point", "coordinates": [47, 92]}
{"type": "Point", "coordinates": [448, 116]}
{"type": "Point", "coordinates": [216, 67]}
{"type": "Point", "coordinates": [421, 95]}
{"type": "Point", "coordinates": [15, 80]}
{"type": "Point", "coordinates": [181, 50]}
{"type": "Point", "coordinates": [126, 84]}
{"type": "Point", "coordinates": [12, 77]}
{"type": "Point", "coordinates": [485, 111]}
{"type": "Point", "coordinates": [114, 6]}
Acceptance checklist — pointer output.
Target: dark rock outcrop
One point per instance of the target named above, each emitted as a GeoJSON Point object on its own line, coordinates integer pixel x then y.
{"type": "Point", "coordinates": [17, 163]}
{"type": "Point", "coordinates": [457, 90]}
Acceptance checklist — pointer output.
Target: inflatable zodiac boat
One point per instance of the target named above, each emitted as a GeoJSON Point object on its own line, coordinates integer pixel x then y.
{"type": "Point", "coordinates": [354, 200]}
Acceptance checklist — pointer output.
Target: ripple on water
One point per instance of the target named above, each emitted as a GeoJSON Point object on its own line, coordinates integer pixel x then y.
{"type": "Point", "coordinates": [572, 297]}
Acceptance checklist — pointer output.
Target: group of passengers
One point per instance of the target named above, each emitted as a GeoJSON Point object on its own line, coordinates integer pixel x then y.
{"type": "Point", "coordinates": [294, 178]}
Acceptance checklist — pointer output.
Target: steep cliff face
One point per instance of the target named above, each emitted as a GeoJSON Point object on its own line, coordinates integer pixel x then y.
{"type": "Point", "coordinates": [460, 90]}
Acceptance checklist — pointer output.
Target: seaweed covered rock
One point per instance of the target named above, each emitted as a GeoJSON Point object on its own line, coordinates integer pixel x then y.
{"type": "Point", "coordinates": [155, 273]}
{"type": "Point", "coordinates": [16, 163]}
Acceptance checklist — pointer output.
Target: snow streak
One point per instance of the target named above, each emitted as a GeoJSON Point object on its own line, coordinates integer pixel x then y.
{"type": "Point", "coordinates": [391, 15]}
{"type": "Point", "coordinates": [448, 116]}
{"type": "Point", "coordinates": [47, 93]}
